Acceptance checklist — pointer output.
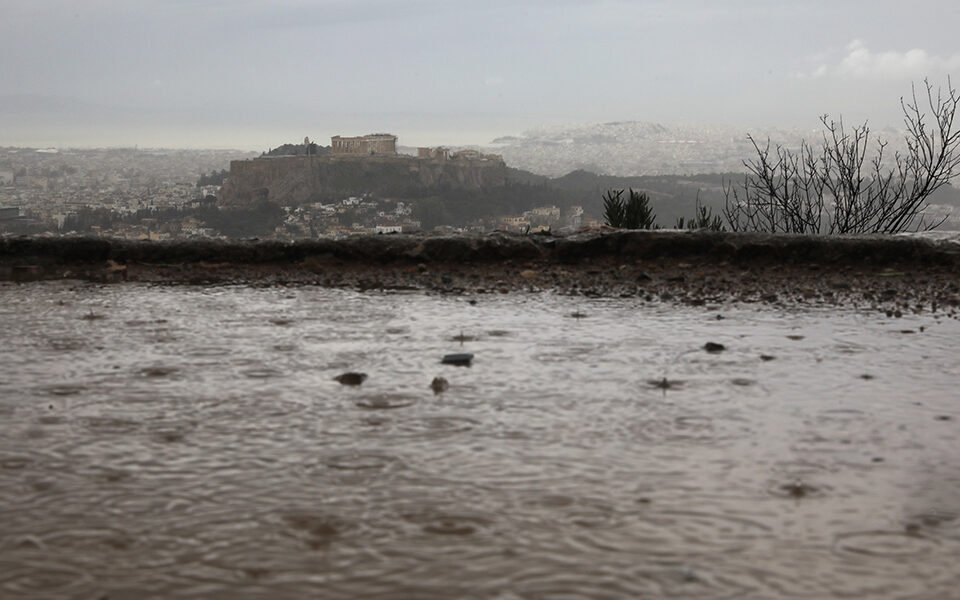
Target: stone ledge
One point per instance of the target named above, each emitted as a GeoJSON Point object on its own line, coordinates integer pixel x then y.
{"type": "Point", "coordinates": [702, 247]}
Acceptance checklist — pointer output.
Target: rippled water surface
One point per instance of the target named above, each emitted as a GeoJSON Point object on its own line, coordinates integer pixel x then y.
{"type": "Point", "coordinates": [192, 443]}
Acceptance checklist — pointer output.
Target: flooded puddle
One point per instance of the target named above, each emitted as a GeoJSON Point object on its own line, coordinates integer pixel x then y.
{"type": "Point", "coordinates": [194, 442]}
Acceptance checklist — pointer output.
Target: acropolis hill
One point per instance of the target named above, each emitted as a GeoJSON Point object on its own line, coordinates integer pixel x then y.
{"type": "Point", "coordinates": [356, 166]}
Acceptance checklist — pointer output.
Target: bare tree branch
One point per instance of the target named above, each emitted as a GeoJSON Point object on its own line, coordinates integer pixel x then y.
{"type": "Point", "coordinates": [838, 190]}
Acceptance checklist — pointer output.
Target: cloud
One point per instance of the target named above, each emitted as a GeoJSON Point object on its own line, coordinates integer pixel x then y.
{"type": "Point", "coordinates": [862, 63]}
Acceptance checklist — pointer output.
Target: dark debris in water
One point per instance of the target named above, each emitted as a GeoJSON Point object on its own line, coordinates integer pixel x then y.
{"type": "Point", "coordinates": [445, 523]}
{"type": "Point", "coordinates": [665, 384]}
{"type": "Point", "coordinates": [460, 359]}
{"type": "Point", "coordinates": [320, 530]}
{"type": "Point", "coordinates": [767, 357]}
{"type": "Point", "coordinates": [65, 390]}
{"type": "Point", "coordinates": [449, 527]}
{"type": "Point", "coordinates": [934, 518]}
{"type": "Point", "coordinates": [714, 347]}
{"type": "Point", "coordinates": [797, 489]}
{"type": "Point", "coordinates": [158, 371]}
{"type": "Point", "coordinates": [255, 572]}
{"type": "Point", "coordinates": [351, 378]}
{"type": "Point", "coordinates": [169, 436]}
{"type": "Point", "coordinates": [912, 529]}
{"type": "Point", "coordinates": [439, 385]}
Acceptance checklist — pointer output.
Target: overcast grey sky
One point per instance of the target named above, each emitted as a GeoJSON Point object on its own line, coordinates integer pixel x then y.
{"type": "Point", "coordinates": [255, 73]}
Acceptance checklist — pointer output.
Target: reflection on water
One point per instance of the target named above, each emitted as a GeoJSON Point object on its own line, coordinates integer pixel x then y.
{"type": "Point", "coordinates": [193, 443]}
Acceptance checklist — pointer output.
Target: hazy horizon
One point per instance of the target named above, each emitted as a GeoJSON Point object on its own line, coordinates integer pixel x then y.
{"type": "Point", "coordinates": [249, 74]}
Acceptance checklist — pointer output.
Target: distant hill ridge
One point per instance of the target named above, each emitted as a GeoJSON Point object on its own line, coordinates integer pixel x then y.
{"type": "Point", "coordinates": [634, 148]}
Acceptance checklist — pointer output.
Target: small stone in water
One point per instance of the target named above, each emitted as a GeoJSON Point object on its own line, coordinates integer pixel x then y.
{"type": "Point", "coordinates": [351, 378]}
{"type": "Point", "coordinates": [439, 385]}
{"type": "Point", "coordinates": [797, 489]}
{"type": "Point", "coordinates": [713, 347]}
{"type": "Point", "coordinates": [767, 357]}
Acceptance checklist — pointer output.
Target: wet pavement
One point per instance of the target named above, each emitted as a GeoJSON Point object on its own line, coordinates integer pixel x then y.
{"type": "Point", "coordinates": [192, 442]}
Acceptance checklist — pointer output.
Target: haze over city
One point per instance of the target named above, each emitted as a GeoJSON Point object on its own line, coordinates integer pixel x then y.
{"type": "Point", "coordinates": [245, 74]}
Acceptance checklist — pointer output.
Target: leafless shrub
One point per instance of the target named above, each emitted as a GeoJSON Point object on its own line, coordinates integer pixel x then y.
{"type": "Point", "coordinates": [835, 189]}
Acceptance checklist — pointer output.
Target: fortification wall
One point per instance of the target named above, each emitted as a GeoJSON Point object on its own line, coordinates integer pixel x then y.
{"type": "Point", "coordinates": [292, 180]}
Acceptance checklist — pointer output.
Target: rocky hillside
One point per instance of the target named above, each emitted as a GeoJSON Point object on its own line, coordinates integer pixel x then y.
{"type": "Point", "coordinates": [294, 180]}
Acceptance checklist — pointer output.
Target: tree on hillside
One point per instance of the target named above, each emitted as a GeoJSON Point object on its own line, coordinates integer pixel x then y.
{"type": "Point", "coordinates": [306, 149]}
{"type": "Point", "coordinates": [835, 189]}
{"type": "Point", "coordinates": [214, 178]}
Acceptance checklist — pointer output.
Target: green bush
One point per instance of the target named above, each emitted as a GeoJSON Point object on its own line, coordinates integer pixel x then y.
{"type": "Point", "coordinates": [703, 219]}
{"type": "Point", "coordinates": [613, 208]}
{"type": "Point", "coordinates": [634, 213]}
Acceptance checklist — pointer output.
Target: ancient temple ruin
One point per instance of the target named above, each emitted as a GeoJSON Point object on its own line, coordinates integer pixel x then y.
{"type": "Point", "coordinates": [364, 145]}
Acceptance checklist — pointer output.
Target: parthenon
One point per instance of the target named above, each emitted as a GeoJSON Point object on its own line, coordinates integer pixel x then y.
{"type": "Point", "coordinates": [375, 143]}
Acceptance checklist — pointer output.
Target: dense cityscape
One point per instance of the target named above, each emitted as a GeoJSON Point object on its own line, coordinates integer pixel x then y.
{"type": "Point", "coordinates": [158, 194]}
{"type": "Point", "coordinates": [171, 194]}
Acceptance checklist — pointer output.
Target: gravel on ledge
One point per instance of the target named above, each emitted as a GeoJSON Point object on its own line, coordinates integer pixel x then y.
{"type": "Point", "coordinates": [895, 274]}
